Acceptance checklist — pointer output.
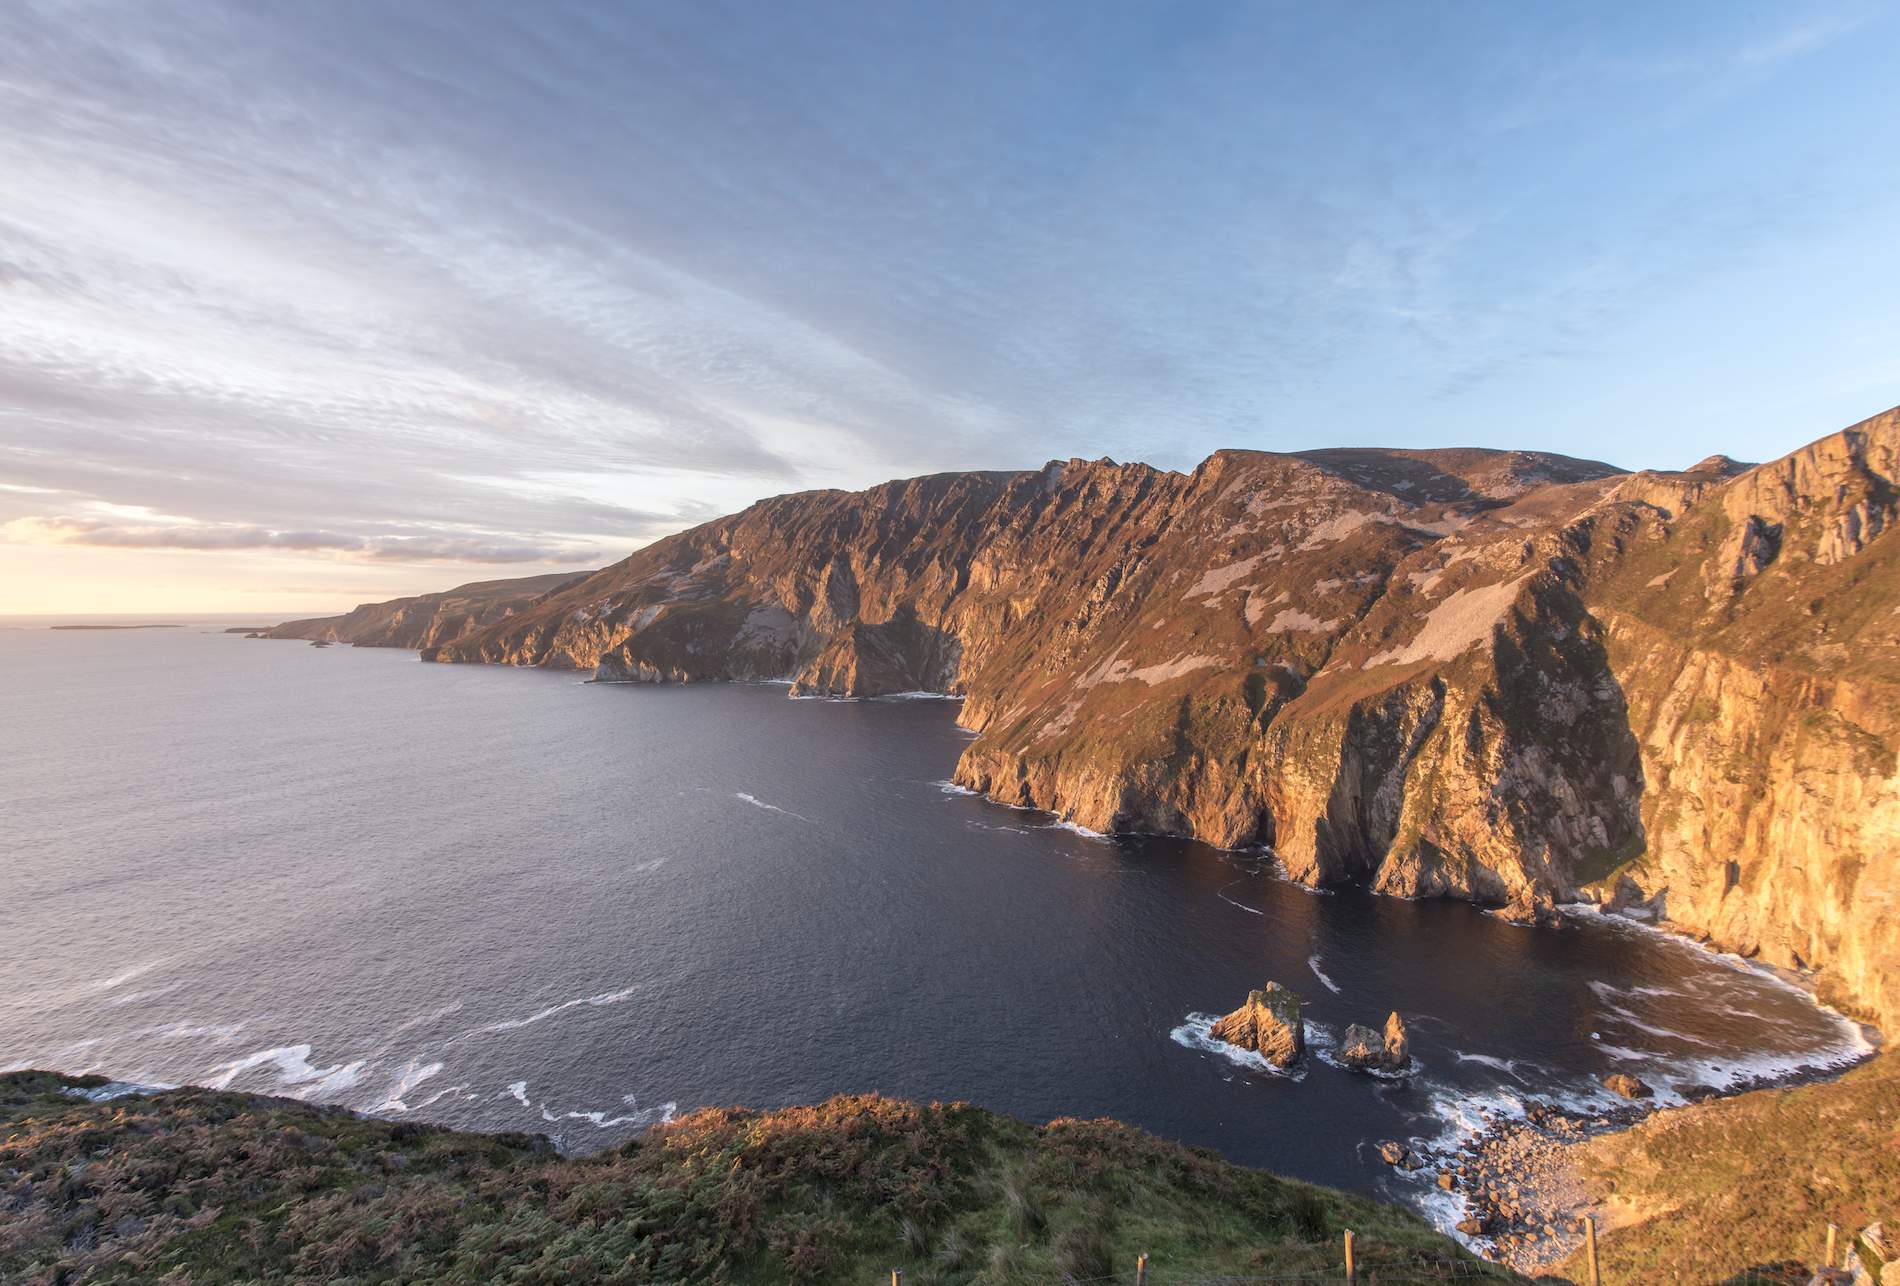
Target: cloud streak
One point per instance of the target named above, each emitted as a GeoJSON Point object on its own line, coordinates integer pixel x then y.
{"type": "Point", "coordinates": [435, 548]}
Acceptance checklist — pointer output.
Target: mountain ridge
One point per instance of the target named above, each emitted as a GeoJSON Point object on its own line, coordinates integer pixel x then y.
{"type": "Point", "coordinates": [1482, 674]}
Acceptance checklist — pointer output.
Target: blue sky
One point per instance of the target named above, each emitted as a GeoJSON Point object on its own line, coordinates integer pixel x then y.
{"type": "Point", "coordinates": [306, 304]}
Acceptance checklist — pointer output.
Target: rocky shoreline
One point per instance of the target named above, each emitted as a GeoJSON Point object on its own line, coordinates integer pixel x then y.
{"type": "Point", "coordinates": [1524, 1193]}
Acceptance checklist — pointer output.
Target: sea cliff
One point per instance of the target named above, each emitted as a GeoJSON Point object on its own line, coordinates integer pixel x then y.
{"type": "Point", "coordinates": [1505, 676]}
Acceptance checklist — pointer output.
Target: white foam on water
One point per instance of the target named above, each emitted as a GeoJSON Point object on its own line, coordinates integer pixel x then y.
{"type": "Point", "coordinates": [636, 1115]}
{"type": "Point", "coordinates": [294, 1070]}
{"type": "Point", "coordinates": [600, 1120]}
{"type": "Point", "coordinates": [1444, 1211]}
{"type": "Point", "coordinates": [442, 1094]}
{"type": "Point", "coordinates": [113, 1089]}
{"type": "Point", "coordinates": [1312, 963]}
{"type": "Point", "coordinates": [1508, 1066]}
{"type": "Point", "coordinates": [1277, 868]}
{"type": "Point", "coordinates": [756, 802]}
{"type": "Point", "coordinates": [1672, 1079]}
{"type": "Point", "coordinates": [1623, 1017]}
{"type": "Point", "coordinates": [515, 1024]}
{"type": "Point", "coordinates": [412, 1075]}
{"type": "Point", "coordinates": [1221, 893]}
{"type": "Point", "coordinates": [338, 1080]}
{"type": "Point", "coordinates": [125, 976]}
{"type": "Point", "coordinates": [951, 788]}
{"type": "Point", "coordinates": [1075, 827]}
{"type": "Point", "coordinates": [1850, 1043]}
{"type": "Point", "coordinates": [1610, 991]}
{"type": "Point", "coordinates": [1197, 1033]}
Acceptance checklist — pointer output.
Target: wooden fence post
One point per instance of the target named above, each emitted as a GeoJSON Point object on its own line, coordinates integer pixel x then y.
{"type": "Point", "coordinates": [1828, 1260]}
{"type": "Point", "coordinates": [1141, 1270]}
{"type": "Point", "coordinates": [897, 1277]}
{"type": "Point", "coordinates": [1351, 1272]}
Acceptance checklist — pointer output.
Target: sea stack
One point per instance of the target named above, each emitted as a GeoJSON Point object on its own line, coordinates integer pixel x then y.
{"type": "Point", "coordinates": [1398, 1048]}
{"type": "Point", "coordinates": [1269, 1024]}
{"type": "Point", "coordinates": [1366, 1050]}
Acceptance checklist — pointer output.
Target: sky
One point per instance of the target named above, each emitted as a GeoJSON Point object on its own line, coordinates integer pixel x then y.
{"type": "Point", "coordinates": [305, 305]}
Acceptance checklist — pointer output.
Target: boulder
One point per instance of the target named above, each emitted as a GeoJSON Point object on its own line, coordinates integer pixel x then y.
{"type": "Point", "coordinates": [1391, 1152]}
{"type": "Point", "coordinates": [1626, 1086]}
{"type": "Point", "coordinates": [1269, 1024]}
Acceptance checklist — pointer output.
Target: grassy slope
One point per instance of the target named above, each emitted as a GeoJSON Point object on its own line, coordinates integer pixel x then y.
{"type": "Point", "coordinates": [195, 1185]}
{"type": "Point", "coordinates": [1734, 1183]}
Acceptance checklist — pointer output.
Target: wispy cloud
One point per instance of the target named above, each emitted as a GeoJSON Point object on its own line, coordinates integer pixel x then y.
{"type": "Point", "coordinates": [106, 534]}
{"type": "Point", "coordinates": [490, 277]}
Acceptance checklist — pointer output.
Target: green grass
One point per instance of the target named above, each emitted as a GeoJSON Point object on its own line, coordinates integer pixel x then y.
{"type": "Point", "coordinates": [1701, 1193]}
{"type": "Point", "coordinates": [200, 1186]}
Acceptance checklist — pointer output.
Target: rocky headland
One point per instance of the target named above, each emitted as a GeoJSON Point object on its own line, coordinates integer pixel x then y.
{"type": "Point", "coordinates": [1512, 677]}
{"type": "Point", "coordinates": [425, 620]}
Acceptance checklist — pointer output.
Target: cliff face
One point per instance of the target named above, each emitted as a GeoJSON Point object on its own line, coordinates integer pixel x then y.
{"type": "Point", "coordinates": [1460, 673]}
{"type": "Point", "coordinates": [1757, 637]}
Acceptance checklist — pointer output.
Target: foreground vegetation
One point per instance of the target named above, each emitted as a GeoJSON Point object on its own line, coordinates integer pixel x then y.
{"type": "Point", "coordinates": [1701, 1192]}
{"type": "Point", "coordinates": [198, 1186]}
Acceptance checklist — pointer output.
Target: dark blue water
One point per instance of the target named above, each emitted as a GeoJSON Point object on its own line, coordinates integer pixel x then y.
{"type": "Point", "coordinates": [506, 899]}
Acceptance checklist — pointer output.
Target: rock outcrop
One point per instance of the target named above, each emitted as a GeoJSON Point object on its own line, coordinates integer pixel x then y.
{"type": "Point", "coordinates": [1367, 1050]}
{"type": "Point", "coordinates": [1398, 1043]}
{"type": "Point", "coordinates": [1626, 1086]}
{"type": "Point", "coordinates": [1268, 1024]}
{"type": "Point", "coordinates": [1532, 906]}
{"type": "Point", "coordinates": [1504, 676]}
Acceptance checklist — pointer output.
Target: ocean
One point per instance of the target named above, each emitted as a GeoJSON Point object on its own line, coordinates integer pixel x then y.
{"type": "Point", "coordinates": [510, 900]}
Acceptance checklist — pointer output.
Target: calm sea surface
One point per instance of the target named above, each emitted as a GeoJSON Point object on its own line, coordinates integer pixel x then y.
{"type": "Point", "coordinates": [506, 899]}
